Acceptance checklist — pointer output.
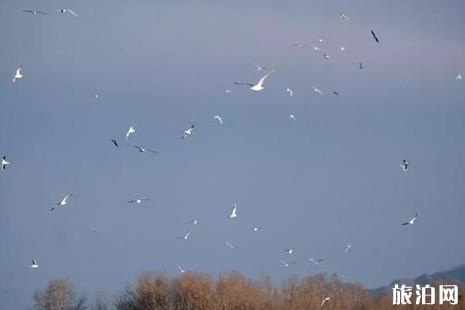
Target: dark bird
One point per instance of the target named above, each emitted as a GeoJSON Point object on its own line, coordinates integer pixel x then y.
{"type": "Point", "coordinates": [374, 36]}
{"type": "Point", "coordinates": [114, 142]}
{"type": "Point", "coordinates": [360, 65]}
{"type": "Point", "coordinates": [34, 12]}
{"type": "Point", "coordinates": [335, 93]}
{"type": "Point", "coordinates": [142, 150]}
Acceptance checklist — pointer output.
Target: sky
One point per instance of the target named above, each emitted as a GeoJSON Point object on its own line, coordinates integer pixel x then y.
{"type": "Point", "coordinates": [328, 179]}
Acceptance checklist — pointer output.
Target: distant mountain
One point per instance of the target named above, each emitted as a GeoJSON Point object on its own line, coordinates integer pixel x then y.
{"type": "Point", "coordinates": [456, 275]}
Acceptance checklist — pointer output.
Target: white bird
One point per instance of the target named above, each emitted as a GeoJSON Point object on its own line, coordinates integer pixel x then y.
{"type": "Point", "coordinates": [316, 48]}
{"type": "Point", "coordinates": [18, 75]}
{"type": "Point", "coordinates": [412, 221]}
{"type": "Point", "coordinates": [292, 116]}
{"type": "Point", "coordinates": [186, 236]}
{"type": "Point", "coordinates": [34, 264]}
{"type": "Point", "coordinates": [260, 68]}
{"type": "Point", "coordinates": [4, 162]}
{"type": "Point", "coordinates": [233, 213]}
{"type": "Point", "coordinates": [290, 91]}
{"type": "Point", "coordinates": [256, 228]}
{"type": "Point", "coordinates": [188, 131]}
{"type": "Point", "coordinates": [139, 200]}
{"type": "Point", "coordinates": [194, 221]}
{"type": "Point", "coordinates": [62, 203]}
{"type": "Point", "coordinates": [316, 261]}
{"type": "Point", "coordinates": [347, 248]}
{"type": "Point", "coordinates": [219, 118]}
{"type": "Point", "coordinates": [322, 41]}
{"type": "Point", "coordinates": [404, 165]}
{"type": "Point", "coordinates": [344, 17]}
{"type": "Point", "coordinates": [230, 245]}
{"type": "Point", "coordinates": [34, 12]}
{"type": "Point", "coordinates": [342, 48]}
{"type": "Point", "coordinates": [180, 269]}
{"type": "Point", "coordinates": [142, 150]}
{"type": "Point", "coordinates": [64, 11]}
{"type": "Point", "coordinates": [130, 131]}
{"type": "Point", "coordinates": [259, 85]}
{"type": "Point", "coordinates": [290, 251]}
{"type": "Point", "coordinates": [285, 264]}
{"type": "Point", "coordinates": [228, 91]}
{"type": "Point", "coordinates": [317, 91]}
{"type": "Point", "coordinates": [459, 77]}
{"type": "Point", "coordinates": [325, 300]}
{"type": "Point", "coordinates": [326, 56]}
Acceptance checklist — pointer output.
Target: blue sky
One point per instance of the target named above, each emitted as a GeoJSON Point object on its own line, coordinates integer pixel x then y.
{"type": "Point", "coordinates": [330, 178]}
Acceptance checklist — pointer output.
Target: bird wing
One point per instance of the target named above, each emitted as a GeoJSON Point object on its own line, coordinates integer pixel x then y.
{"type": "Point", "coordinates": [65, 199]}
{"type": "Point", "coordinates": [262, 80]}
{"type": "Point", "coordinates": [72, 12]}
{"type": "Point", "coordinates": [115, 143]}
{"type": "Point", "coordinates": [241, 83]}
{"type": "Point", "coordinates": [374, 36]}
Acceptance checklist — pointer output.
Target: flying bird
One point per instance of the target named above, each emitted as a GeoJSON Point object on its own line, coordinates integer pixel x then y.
{"type": "Point", "coordinates": [374, 36]}
{"type": "Point", "coordinates": [186, 236]}
{"type": "Point", "coordinates": [4, 162]}
{"type": "Point", "coordinates": [64, 11]}
{"type": "Point", "coordinates": [34, 264]}
{"type": "Point", "coordinates": [194, 221]}
{"type": "Point", "coordinates": [219, 118]}
{"type": "Point", "coordinates": [180, 269]}
{"type": "Point", "coordinates": [256, 228]}
{"type": "Point", "coordinates": [130, 131]}
{"type": "Point", "coordinates": [33, 12]}
{"type": "Point", "coordinates": [290, 91]}
{"type": "Point", "coordinates": [412, 221]}
{"type": "Point", "coordinates": [115, 142]}
{"type": "Point", "coordinates": [316, 261]}
{"type": "Point", "coordinates": [347, 248]}
{"type": "Point", "coordinates": [404, 165]}
{"type": "Point", "coordinates": [138, 201]}
{"type": "Point", "coordinates": [18, 75]}
{"type": "Point", "coordinates": [291, 116]}
{"type": "Point", "coordinates": [326, 56]}
{"type": "Point", "coordinates": [323, 41]}
{"type": "Point", "coordinates": [459, 77]}
{"type": "Point", "coordinates": [230, 245]}
{"type": "Point", "coordinates": [316, 48]}
{"type": "Point", "coordinates": [188, 131]}
{"type": "Point", "coordinates": [233, 213]}
{"type": "Point", "coordinates": [317, 91]}
{"type": "Point", "coordinates": [142, 150]}
{"type": "Point", "coordinates": [62, 203]}
{"type": "Point", "coordinates": [285, 264]}
{"type": "Point", "coordinates": [360, 65]}
{"type": "Point", "coordinates": [342, 48]}
{"type": "Point", "coordinates": [259, 85]}
{"type": "Point", "coordinates": [290, 251]}
{"type": "Point", "coordinates": [335, 93]}
{"type": "Point", "coordinates": [343, 17]}
{"type": "Point", "coordinates": [228, 91]}
{"type": "Point", "coordinates": [260, 68]}
{"type": "Point", "coordinates": [325, 300]}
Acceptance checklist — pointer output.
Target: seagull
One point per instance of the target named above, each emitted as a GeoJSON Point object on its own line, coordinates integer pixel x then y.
{"type": "Point", "coordinates": [64, 11]}
{"type": "Point", "coordinates": [291, 116]}
{"type": "Point", "coordinates": [230, 245]}
{"type": "Point", "coordinates": [62, 203]}
{"type": "Point", "coordinates": [325, 300]}
{"type": "Point", "coordinates": [142, 150]}
{"type": "Point", "coordinates": [186, 236]}
{"type": "Point", "coordinates": [335, 93]}
{"type": "Point", "coordinates": [219, 118]}
{"type": "Point", "coordinates": [374, 36]}
{"type": "Point", "coordinates": [459, 77]}
{"type": "Point", "coordinates": [316, 261]}
{"type": "Point", "coordinates": [180, 269]}
{"type": "Point", "coordinates": [138, 201]}
{"type": "Point", "coordinates": [233, 212]}
{"type": "Point", "coordinates": [412, 221]}
{"type": "Point", "coordinates": [360, 65]}
{"type": "Point", "coordinates": [322, 41]}
{"type": "Point", "coordinates": [34, 264]}
{"type": "Point", "coordinates": [131, 130]}
{"type": "Point", "coordinates": [290, 91]}
{"type": "Point", "coordinates": [344, 17]}
{"type": "Point", "coordinates": [256, 228]}
{"type": "Point", "coordinates": [259, 85]}
{"type": "Point", "coordinates": [347, 248]}
{"type": "Point", "coordinates": [260, 68]}
{"type": "Point", "coordinates": [285, 264]}
{"type": "Point", "coordinates": [290, 251]}
{"type": "Point", "coordinates": [228, 91]}
{"type": "Point", "coordinates": [342, 48]}
{"type": "Point", "coordinates": [194, 221]}
{"type": "Point", "coordinates": [316, 48]}
{"type": "Point", "coordinates": [404, 165]}
{"type": "Point", "coordinates": [18, 75]}
{"type": "Point", "coordinates": [317, 90]}
{"type": "Point", "coordinates": [188, 131]}
{"type": "Point", "coordinates": [326, 56]}
{"type": "Point", "coordinates": [114, 142]}
{"type": "Point", "coordinates": [33, 12]}
{"type": "Point", "coordinates": [4, 162]}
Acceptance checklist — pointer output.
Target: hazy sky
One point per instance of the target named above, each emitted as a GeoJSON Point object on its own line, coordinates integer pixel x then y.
{"type": "Point", "coordinates": [330, 178]}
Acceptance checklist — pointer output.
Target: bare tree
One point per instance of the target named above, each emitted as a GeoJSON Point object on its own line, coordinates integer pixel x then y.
{"type": "Point", "coordinates": [59, 295]}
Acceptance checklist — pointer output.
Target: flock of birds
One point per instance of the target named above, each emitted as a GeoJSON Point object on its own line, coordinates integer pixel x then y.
{"type": "Point", "coordinates": [233, 214]}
